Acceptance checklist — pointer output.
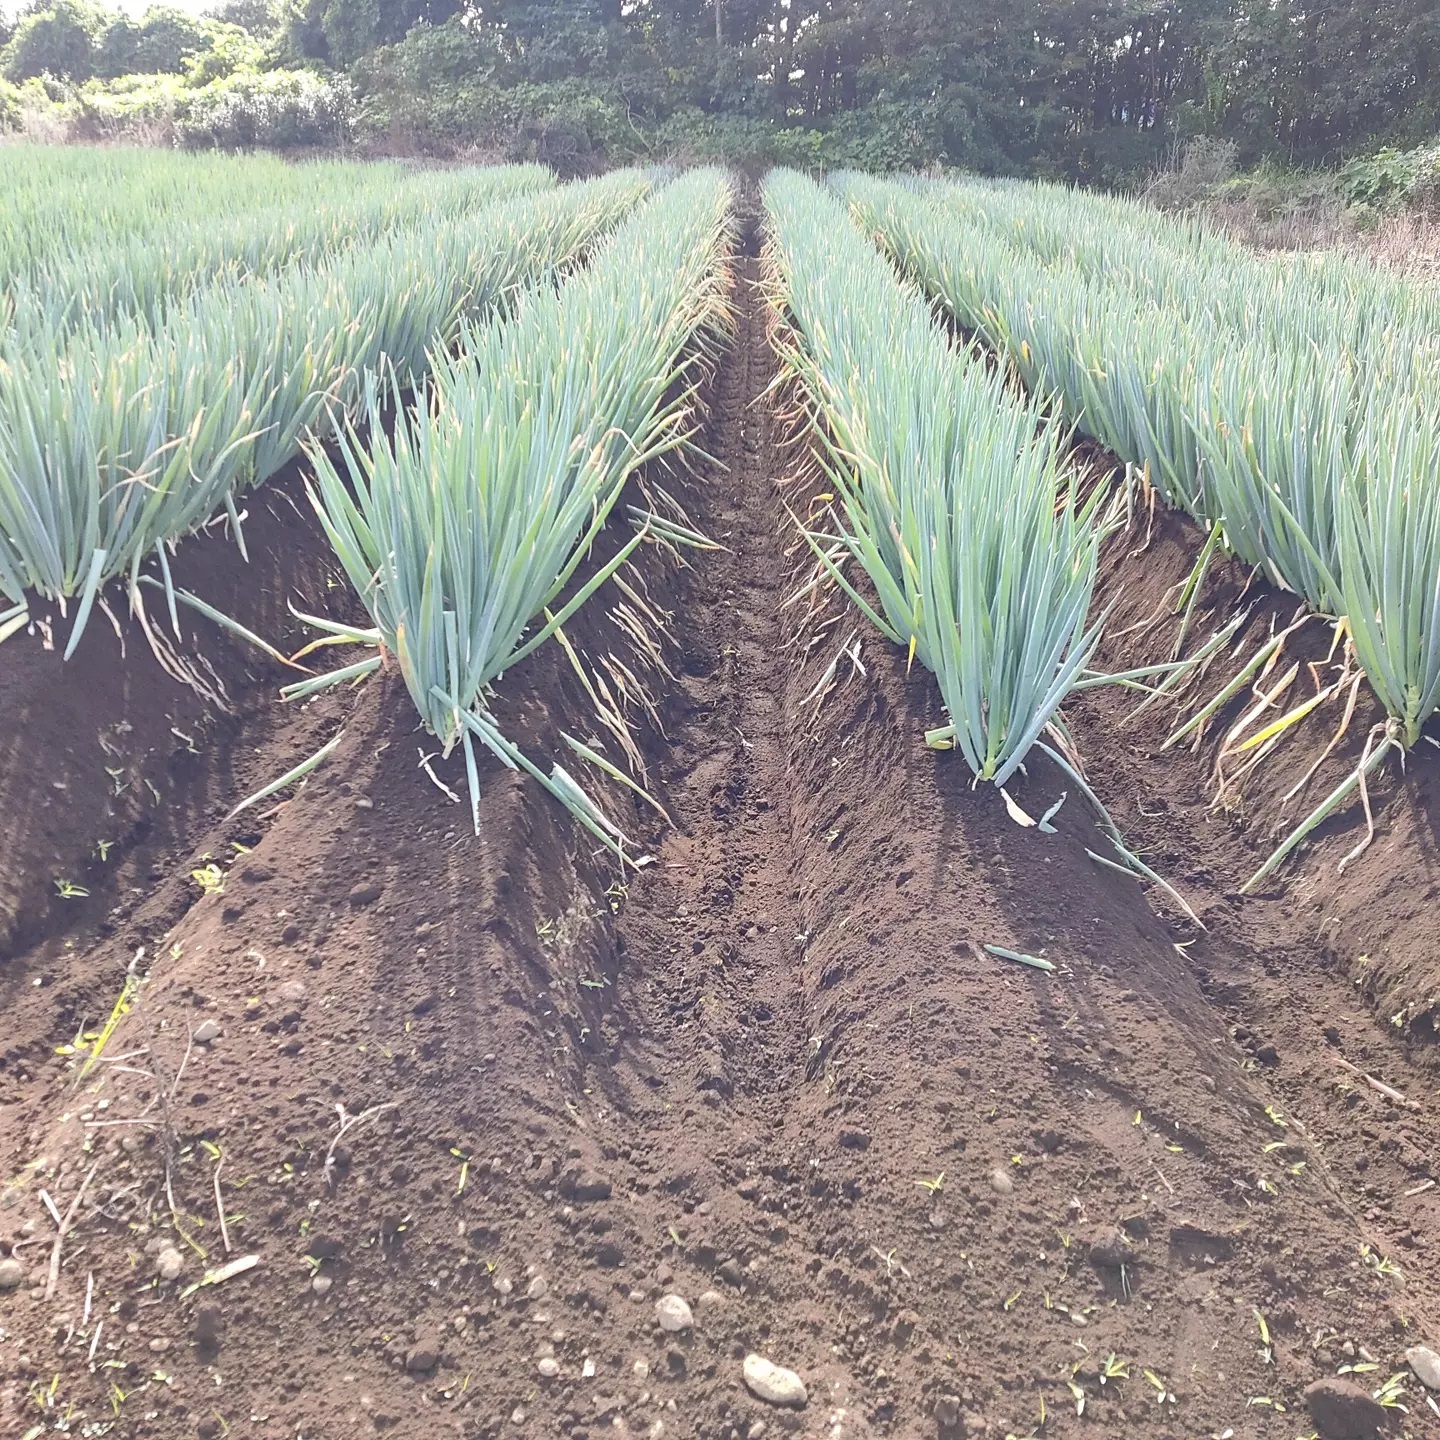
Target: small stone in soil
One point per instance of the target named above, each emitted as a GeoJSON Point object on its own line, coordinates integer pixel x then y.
{"type": "Point", "coordinates": [537, 1288]}
{"type": "Point", "coordinates": [206, 1031]}
{"type": "Point", "coordinates": [159, 1344]}
{"type": "Point", "coordinates": [12, 1274]}
{"type": "Point", "coordinates": [773, 1383]}
{"type": "Point", "coordinates": [1426, 1365]}
{"type": "Point", "coordinates": [367, 892]}
{"type": "Point", "coordinates": [673, 1313]}
{"type": "Point", "coordinates": [321, 1284]}
{"type": "Point", "coordinates": [169, 1263]}
{"type": "Point", "coordinates": [1000, 1182]}
{"type": "Point", "coordinates": [549, 1367]}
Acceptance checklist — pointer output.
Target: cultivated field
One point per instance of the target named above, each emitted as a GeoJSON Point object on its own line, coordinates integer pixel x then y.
{"type": "Point", "coordinates": [608, 787]}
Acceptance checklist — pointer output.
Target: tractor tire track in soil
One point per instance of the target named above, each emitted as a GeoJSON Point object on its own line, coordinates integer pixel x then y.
{"type": "Point", "coordinates": [773, 1072]}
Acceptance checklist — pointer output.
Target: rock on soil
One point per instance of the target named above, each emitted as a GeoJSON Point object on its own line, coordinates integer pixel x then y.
{"type": "Point", "coordinates": [12, 1274]}
{"type": "Point", "coordinates": [673, 1314]}
{"type": "Point", "coordinates": [169, 1263]}
{"type": "Point", "coordinates": [424, 1355]}
{"type": "Point", "coordinates": [1342, 1411]}
{"type": "Point", "coordinates": [774, 1383]}
{"type": "Point", "coordinates": [1426, 1365]}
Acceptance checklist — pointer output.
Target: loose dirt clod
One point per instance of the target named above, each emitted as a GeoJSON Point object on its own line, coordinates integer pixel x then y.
{"type": "Point", "coordinates": [1341, 1410]}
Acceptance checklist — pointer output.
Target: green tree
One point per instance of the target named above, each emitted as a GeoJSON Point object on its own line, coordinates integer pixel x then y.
{"type": "Point", "coordinates": [260, 18]}
{"type": "Point", "coordinates": [353, 28]}
{"type": "Point", "coordinates": [58, 40]}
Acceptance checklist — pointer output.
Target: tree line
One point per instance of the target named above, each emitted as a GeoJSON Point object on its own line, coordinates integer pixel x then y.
{"type": "Point", "coordinates": [1098, 91]}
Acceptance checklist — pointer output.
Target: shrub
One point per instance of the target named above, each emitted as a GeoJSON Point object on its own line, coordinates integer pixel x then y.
{"type": "Point", "coordinates": [1202, 168]}
{"type": "Point", "coordinates": [280, 109]}
{"type": "Point", "coordinates": [1391, 179]}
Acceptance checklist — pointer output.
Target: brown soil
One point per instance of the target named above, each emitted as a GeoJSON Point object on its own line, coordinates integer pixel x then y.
{"type": "Point", "coordinates": [774, 1072]}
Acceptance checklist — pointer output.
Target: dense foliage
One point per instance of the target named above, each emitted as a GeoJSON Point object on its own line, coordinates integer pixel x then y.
{"type": "Point", "coordinates": [1043, 87]}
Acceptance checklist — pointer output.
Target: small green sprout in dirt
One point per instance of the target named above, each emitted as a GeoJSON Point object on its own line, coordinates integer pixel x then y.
{"type": "Point", "coordinates": [1074, 1387]}
{"type": "Point", "coordinates": [1392, 1394]}
{"type": "Point", "coordinates": [103, 849]}
{"type": "Point", "coordinates": [1276, 1118]}
{"type": "Point", "coordinates": [1380, 1264]}
{"type": "Point", "coordinates": [933, 1186]}
{"type": "Point", "coordinates": [69, 890]}
{"type": "Point", "coordinates": [1267, 1354]}
{"type": "Point", "coordinates": [463, 1156]}
{"type": "Point", "coordinates": [1010, 1301]}
{"type": "Point", "coordinates": [209, 878]}
{"type": "Point", "coordinates": [1114, 1368]}
{"type": "Point", "coordinates": [1360, 1367]}
{"type": "Point", "coordinates": [891, 1263]}
{"type": "Point", "coordinates": [1034, 1432]}
{"type": "Point", "coordinates": [1163, 1393]}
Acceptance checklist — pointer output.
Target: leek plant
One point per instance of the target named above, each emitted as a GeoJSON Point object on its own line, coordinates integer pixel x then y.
{"type": "Point", "coordinates": [1290, 404]}
{"type": "Point", "coordinates": [117, 440]}
{"type": "Point", "coordinates": [954, 498]}
{"type": "Point", "coordinates": [463, 530]}
{"type": "Point", "coordinates": [129, 268]}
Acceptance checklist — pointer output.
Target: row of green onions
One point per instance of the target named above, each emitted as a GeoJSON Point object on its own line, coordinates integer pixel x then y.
{"type": "Point", "coordinates": [464, 532]}
{"type": "Point", "coordinates": [954, 498]}
{"type": "Point", "coordinates": [143, 264]}
{"type": "Point", "coordinates": [129, 437]}
{"type": "Point", "coordinates": [1290, 405]}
